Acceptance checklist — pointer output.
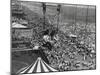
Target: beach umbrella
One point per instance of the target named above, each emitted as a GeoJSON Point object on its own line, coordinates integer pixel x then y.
{"type": "Point", "coordinates": [38, 66]}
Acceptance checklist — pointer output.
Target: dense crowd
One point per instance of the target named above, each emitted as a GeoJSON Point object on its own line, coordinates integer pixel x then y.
{"type": "Point", "coordinates": [67, 53]}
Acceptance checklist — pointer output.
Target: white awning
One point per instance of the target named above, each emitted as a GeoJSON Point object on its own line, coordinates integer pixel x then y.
{"type": "Point", "coordinates": [16, 25]}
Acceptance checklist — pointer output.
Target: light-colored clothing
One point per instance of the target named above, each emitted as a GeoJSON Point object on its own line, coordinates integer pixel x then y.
{"type": "Point", "coordinates": [36, 47]}
{"type": "Point", "coordinates": [46, 38]}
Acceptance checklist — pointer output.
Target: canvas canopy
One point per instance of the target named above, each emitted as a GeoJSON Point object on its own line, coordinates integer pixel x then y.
{"type": "Point", "coordinates": [38, 66]}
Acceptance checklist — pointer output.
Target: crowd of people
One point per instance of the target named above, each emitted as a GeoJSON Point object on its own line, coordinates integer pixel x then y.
{"type": "Point", "coordinates": [63, 52]}
{"type": "Point", "coordinates": [67, 54]}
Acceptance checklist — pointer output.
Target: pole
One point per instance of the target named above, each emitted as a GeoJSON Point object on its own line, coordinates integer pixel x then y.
{"type": "Point", "coordinates": [87, 17]}
{"type": "Point", "coordinates": [75, 18]}
{"type": "Point", "coordinates": [44, 11]}
{"type": "Point", "coordinates": [58, 10]}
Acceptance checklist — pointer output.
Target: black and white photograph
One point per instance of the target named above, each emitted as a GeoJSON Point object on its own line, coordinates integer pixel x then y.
{"type": "Point", "coordinates": [52, 37]}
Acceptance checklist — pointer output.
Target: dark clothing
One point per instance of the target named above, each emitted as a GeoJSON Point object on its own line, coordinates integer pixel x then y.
{"type": "Point", "coordinates": [53, 33]}
{"type": "Point", "coordinates": [46, 32]}
{"type": "Point", "coordinates": [40, 53]}
{"type": "Point", "coordinates": [47, 45]}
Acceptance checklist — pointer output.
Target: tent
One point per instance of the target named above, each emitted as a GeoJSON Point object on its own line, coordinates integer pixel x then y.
{"type": "Point", "coordinates": [38, 66]}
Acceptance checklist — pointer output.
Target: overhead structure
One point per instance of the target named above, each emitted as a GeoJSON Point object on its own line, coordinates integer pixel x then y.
{"type": "Point", "coordinates": [37, 67]}
{"type": "Point", "coordinates": [44, 12]}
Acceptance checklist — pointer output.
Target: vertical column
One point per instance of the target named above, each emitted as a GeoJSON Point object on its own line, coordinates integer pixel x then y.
{"type": "Point", "coordinates": [58, 10]}
{"type": "Point", "coordinates": [44, 11]}
{"type": "Point", "coordinates": [75, 19]}
{"type": "Point", "coordinates": [87, 16]}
